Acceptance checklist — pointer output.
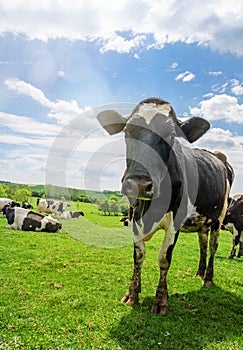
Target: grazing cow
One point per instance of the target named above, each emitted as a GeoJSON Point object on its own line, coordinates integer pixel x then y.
{"type": "Point", "coordinates": [70, 214]}
{"type": "Point", "coordinates": [169, 185]}
{"type": "Point", "coordinates": [26, 205]}
{"type": "Point", "coordinates": [8, 201]}
{"type": "Point", "coordinates": [234, 223]}
{"type": "Point", "coordinates": [50, 206]}
{"type": "Point", "coordinates": [26, 220]}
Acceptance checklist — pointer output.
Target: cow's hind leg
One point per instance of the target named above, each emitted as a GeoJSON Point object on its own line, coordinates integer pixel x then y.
{"type": "Point", "coordinates": [213, 245]}
{"type": "Point", "coordinates": [131, 296]}
{"type": "Point", "coordinates": [240, 253]}
{"type": "Point", "coordinates": [203, 243]}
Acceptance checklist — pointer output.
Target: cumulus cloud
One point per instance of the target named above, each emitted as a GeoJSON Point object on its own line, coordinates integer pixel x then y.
{"type": "Point", "coordinates": [220, 107]}
{"type": "Point", "coordinates": [185, 77]}
{"type": "Point", "coordinates": [208, 22]}
{"type": "Point", "coordinates": [121, 45]}
{"type": "Point", "coordinates": [237, 87]}
{"type": "Point", "coordinates": [62, 111]}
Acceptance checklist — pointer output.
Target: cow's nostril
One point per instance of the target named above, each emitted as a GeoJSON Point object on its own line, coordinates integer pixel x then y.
{"type": "Point", "coordinates": [148, 189]}
{"type": "Point", "coordinates": [130, 188]}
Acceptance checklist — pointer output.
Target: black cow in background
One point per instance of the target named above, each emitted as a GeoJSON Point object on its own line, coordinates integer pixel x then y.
{"type": "Point", "coordinates": [234, 223]}
{"type": "Point", "coordinates": [169, 185]}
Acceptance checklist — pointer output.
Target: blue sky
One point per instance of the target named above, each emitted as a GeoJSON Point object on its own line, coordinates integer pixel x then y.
{"type": "Point", "coordinates": [63, 61]}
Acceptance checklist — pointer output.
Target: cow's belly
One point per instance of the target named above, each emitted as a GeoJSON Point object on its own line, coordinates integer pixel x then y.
{"type": "Point", "coordinates": [195, 223]}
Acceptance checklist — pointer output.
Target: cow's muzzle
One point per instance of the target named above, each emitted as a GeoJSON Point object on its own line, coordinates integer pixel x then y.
{"type": "Point", "coordinates": [139, 188]}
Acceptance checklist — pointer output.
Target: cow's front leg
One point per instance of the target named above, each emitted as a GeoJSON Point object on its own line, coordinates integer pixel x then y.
{"type": "Point", "coordinates": [160, 305]}
{"type": "Point", "coordinates": [131, 296]}
{"type": "Point", "coordinates": [203, 243]}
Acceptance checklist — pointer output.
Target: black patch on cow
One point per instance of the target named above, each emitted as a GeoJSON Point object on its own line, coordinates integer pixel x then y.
{"type": "Point", "coordinates": [170, 249]}
{"type": "Point", "coordinates": [76, 214]}
{"type": "Point", "coordinates": [49, 203]}
{"type": "Point", "coordinates": [52, 227]}
{"type": "Point", "coordinates": [60, 207]}
{"type": "Point", "coordinates": [30, 224]}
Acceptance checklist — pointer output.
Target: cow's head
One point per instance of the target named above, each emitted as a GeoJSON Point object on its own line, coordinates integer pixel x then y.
{"type": "Point", "coordinates": [150, 132]}
{"type": "Point", "coordinates": [8, 212]}
{"type": "Point", "coordinates": [234, 212]}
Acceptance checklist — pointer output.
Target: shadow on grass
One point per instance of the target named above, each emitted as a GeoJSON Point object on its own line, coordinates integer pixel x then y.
{"type": "Point", "coordinates": [196, 320]}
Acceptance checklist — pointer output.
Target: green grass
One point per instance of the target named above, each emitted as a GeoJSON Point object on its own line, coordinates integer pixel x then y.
{"type": "Point", "coordinates": [60, 293]}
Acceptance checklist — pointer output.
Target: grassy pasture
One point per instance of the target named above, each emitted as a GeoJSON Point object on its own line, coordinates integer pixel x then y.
{"type": "Point", "coordinates": [63, 291]}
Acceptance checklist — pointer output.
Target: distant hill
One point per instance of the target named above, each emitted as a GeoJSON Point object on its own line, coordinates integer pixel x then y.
{"type": "Point", "coordinates": [58, 192]}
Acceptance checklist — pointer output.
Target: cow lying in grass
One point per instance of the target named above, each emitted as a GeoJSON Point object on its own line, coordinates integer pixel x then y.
{"type": "Point", "coordinates": [8, 201]}
{"type": "Point", "coordinates": [26, 220]}
{"type": "Point", "coordinates": [69, 215]}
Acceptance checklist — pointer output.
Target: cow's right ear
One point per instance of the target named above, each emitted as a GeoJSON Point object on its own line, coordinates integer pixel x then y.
{"type": "Point", "coordinates": [112, 121]}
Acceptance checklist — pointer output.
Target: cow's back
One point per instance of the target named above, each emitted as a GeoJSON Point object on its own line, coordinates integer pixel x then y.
{"type": "Point", "coordinates": [213, 185]}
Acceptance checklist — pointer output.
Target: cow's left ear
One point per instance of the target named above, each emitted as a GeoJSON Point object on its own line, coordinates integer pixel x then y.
{"type": "Point", "coordinates": [112, 121]}
{"type": "Point", "coordinates": [194, 128]}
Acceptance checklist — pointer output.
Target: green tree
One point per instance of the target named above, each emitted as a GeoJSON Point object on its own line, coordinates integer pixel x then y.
{"type": "Point", "coordinates": [22, 195]}
{"type": "Point", "coordinates": [2, 191]}
{"type": "Point", "coordinates": [105, 207]}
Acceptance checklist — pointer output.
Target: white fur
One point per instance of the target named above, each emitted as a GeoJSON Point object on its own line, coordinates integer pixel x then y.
{"type": "Point", "coordinates": [148, 111]}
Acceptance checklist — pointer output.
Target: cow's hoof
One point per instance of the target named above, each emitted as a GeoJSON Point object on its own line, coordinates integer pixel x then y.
{"type": "Point", "coordinates": [207, 283]}
{"type": "Point", "coordinates": [158, 309]}
{"type": "Point", "coordinates": [230, 257]}
{"type": "Point", "coordinates": [129, 300]}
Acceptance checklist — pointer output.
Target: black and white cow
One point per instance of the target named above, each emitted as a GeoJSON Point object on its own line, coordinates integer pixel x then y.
{"type": "Point", "coordinates": [50, 206]}
{"type": "Point", "coordinates": [126, 221]}
{"type": "Point", "coordinates": [169, 185]}
{"type": "Point", "coordinates": [26, 220]}
{"type": "Point", "coordinates": [8, 201]}
{"type": "Point", "coordinates": [70, 214]}
{"type": "Point", "coordinates": [26, 205]}
{"type": "Point", "coordinates": [234, 223]}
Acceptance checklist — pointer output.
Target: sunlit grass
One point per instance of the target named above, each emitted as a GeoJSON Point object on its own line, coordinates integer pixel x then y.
{"type": "Point", "coordinates": [60, 293]}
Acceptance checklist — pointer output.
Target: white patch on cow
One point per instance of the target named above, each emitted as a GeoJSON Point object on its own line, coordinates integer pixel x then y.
{"type": "Point", "coordinates": [19, 216]}
{"type": "Point", "coordinates": [191, 209]}
{"type": "Point", "coordinates": [169, 238]}
{"type": "Point", "coordinates": [156, 226]}
{"type": "Point", "coordinates": [149, 110]}
{"type": "Point", "coordinates": [47, 219]}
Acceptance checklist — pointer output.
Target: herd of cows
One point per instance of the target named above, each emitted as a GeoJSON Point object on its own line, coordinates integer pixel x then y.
{"type": "Point", "coordinates": [24, 218]}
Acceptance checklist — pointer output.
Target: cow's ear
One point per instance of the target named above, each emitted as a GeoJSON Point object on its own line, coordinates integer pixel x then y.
{"type": "Point", "coordinates": [194, 128]}
{"type": "Point", "coordinates": [112, 121]}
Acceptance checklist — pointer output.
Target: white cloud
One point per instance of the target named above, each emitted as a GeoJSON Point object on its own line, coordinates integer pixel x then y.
{"type": "Point", "coordinates": [215, 73]}
{"type": "Point", "coordinates": [207, 23]}
{"type": "Point", "coordinates": [26, 125]}
{"type": "Point", "coordinates": [62, 111]}
{"type": "Point", "coordinates": [185, 77]}
{"type": "Point", "coordinates": [121, 45]}
{"type": "Point", "coordinates": [220, 107]}
{"type": "Point", "coordinates": [237, 87]}
{"type": "Point", "coordinates": [174, 65]}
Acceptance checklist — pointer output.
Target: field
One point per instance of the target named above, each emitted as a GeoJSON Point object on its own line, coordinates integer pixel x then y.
{"type": "Point", "coordinates": [63, 291]}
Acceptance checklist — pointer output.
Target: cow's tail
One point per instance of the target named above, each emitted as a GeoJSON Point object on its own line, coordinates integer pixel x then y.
{"type": "Point", "coordinates": [37, 202]}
